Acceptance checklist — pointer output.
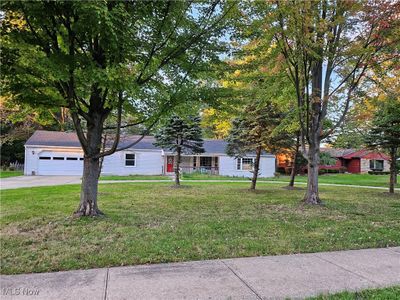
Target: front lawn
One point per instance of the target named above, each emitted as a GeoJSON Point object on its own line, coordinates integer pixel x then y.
{"type": "Point", "coordinates": [350, 179]}
{"type": "Point", "coordinates": [377, 294]}
{"type": "Point", "coordinates": [6, 174]}
{"type": "Point", "coordinates": [152, 222]}
{"type": "Point", "coordinates": [135, 177]}
{"type": "Point", "coordinates": [205, 176]}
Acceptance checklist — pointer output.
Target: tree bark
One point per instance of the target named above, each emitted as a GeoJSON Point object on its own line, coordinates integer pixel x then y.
{"type": "Point", "coordinates": [177, 166]}
{"type": "Point", "coordinates": [89, 188]}
{"type": "Point", "coordinates": [314, 128]}
{"type": "Point", "coordinates": [256, 168]}
{"type": "Point", "coordinates": [292, 174]}
{"type": "Point", "coordinates": [312, 195]}
{"type": "Point", "coordinates": [294, 165]}
{"type": "Point", "coordinates": [91, 167]}
{"type": "Point", "coordinates": [393, 173]}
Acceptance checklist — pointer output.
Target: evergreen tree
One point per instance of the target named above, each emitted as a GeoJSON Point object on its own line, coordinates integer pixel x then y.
{"type": "Point", "coordinates": [181, 137]}
{"type": "Point", "coordinates": [254, 132]}
{"type": "Point", "coordinates": [385, 135]}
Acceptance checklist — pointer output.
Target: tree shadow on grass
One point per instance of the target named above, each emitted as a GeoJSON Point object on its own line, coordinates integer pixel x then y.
{"type": "Point", "coordinates": [179, 187]}
{"type": "Point", "coordinates": [293, 188]}
{"type": "Point", "coordinates": [391, 195]}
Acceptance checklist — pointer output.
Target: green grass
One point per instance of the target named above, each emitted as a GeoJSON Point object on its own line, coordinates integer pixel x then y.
{"type": "Point", "coordinates": [350, 179]}
{"type": "Point", "coordinates": [201, 176]}
{"type": "Point", "coordinates": [6, 174]}
{"type": "Point", "coordinates": [135, 177]}
{"type": "Point", "coordinates": [153, 222]}
{"type": "Point", "coordinates": [376, 294]}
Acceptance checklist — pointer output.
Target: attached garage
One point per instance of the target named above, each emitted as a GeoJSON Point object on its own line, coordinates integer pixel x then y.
{"type": "Point", "coordinates": [53, 153]}
{"type": "Point", "coordinates": [59, 163]}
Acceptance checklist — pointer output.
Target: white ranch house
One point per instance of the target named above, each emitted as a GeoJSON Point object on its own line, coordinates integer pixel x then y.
{"type": "Point", "coordinates": [59, 153]}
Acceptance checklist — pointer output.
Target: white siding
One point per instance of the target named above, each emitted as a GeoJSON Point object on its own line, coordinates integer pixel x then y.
{"type": "Point", "coordinates": [228, 167]}
{"type": "Point", "coordinates": [146, 163]}
{"type": "Point", "coordinates": [30, 167]}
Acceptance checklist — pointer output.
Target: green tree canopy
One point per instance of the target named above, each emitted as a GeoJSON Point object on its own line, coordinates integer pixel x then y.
{"type": "Point", "coordinates": [103, 59]}
{"type": "Point", "coordinates": [326, 47]}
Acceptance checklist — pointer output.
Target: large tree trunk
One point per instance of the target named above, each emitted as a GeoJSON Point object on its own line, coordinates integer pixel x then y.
{"type": "Point", "coordinates": [314, 134]}
{"type": "Point", "coordinates": [177, 166]}
{"type": "Point", "coordinates": [256, 169]}
{"type": "Point", "coordinates": [294, 165]}
{"type": "Point", "coordinates": [312, 195]}
{"type": "Point", "coordinates": [91, 168]}
{"type": "Point", "coordinates": [393, 173]}
{"type": "Point", "coordinates": [89, 188]}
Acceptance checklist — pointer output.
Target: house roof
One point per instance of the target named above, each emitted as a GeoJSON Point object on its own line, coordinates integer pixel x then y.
{"type": "Point", "coordinates": [337, 152]}
{"type": "Point", "coordinates": [353, 153]}
{"type": "Point", "coordinates": [70, 139]}
{"type": "Point", "coordinates": [367, 154]}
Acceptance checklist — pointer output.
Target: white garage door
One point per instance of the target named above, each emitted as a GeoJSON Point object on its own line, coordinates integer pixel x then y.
{"type": "Point", "coordinates": [59, 163]}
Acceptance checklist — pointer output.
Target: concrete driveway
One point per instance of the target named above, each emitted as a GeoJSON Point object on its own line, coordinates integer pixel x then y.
{"type": "Point", "coordinates": [32, 181]}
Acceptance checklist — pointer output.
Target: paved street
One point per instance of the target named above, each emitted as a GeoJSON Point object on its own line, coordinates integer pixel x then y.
{"type": "Point", "coordinates": [270, 277]}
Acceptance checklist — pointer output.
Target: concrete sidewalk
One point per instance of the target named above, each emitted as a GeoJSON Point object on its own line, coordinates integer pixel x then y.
{"type": "Point", "coordinates": [270, 277]}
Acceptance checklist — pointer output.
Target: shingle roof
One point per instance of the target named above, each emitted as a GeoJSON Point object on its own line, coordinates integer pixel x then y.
{"type": "Point", "coordinates": [337, 152]}
{"type": "Point", "coordinates": [353, 153]}
{"type": "Point", "coordinates": [214, 146]}
{"type": "Point", "coordinates": [367, 154]}
{"type": "Point", "coordinates": [53, 138]}
{"type": "Point", "coordinates": [70, 139]}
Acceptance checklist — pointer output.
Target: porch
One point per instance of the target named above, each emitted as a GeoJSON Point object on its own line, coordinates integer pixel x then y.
{"type": "Point", "coordinates": [193, 164]}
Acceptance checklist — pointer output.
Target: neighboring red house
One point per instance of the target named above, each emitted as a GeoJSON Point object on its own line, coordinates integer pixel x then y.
{"type": "Point", "coordinates": [347, 160]}
{"type": "Point", "coordinates": [357, 161]}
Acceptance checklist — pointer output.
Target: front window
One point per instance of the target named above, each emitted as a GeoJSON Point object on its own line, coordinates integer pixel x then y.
{"type": "Point", "coordinates": [130, 159]}
{"type": "Point", "coordinates": [376, 164]}
{"type": "Point", "coordinates": [205, 161]}
{"type": "Point", "coordinates": [245, 164]}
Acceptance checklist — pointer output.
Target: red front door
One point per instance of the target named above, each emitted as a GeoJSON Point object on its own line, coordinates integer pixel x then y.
{"type": "Point", "coordinates": [170, 164]}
